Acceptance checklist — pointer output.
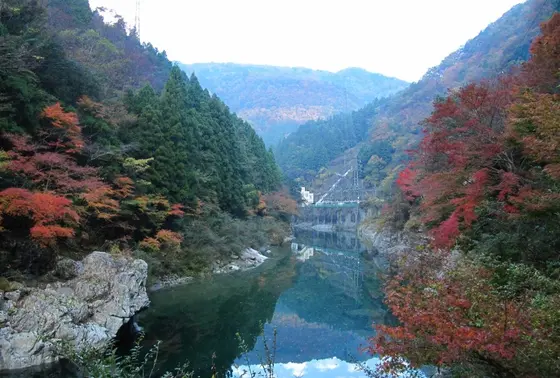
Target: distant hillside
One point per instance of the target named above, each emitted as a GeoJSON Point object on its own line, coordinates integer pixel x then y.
{"type": "Point", "coordinates": [394, 124]}
{"type": "Point", "coordinates": [278, 99]}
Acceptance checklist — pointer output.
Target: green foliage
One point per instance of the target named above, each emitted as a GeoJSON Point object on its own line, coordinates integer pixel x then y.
{"type": "Point", "coordinates": [149, 143]}
{"type": "Point", "coordinates": [107, 363]}
{"type": "Point", "coordinates": [199, 149]}
{"type": "Point", "coordinates": [398, 119]}
{"type": "Point", "coordinates": [316, 143]}
{"type": "Point", "coordinates": [277, 99]}
{"type": "Point", "coordinates": [4, 284]}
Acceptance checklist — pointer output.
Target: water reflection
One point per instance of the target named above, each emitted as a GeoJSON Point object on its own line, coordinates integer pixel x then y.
{"type": "Point", "coordinates": [322, 295]}
{"type": "Point", "coordinates": [327, 368]}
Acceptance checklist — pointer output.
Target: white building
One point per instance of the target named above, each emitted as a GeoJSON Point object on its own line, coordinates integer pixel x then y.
{"type": "Point", "coordinates": [307, 197]}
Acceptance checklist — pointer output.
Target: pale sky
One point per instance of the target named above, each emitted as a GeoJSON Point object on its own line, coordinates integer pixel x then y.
{"type": "Point", "coordinates": [400, 38]}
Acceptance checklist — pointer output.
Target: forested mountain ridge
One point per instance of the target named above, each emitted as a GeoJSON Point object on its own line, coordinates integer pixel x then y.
{"type": "Point", "coordinates": [482, 296]}
{"type": "Point", "coordinates": [105, 144]}
{"type": "Point", "coordinates": [394, 125]}
{"type": "Point", "coordinates": [278, 99]}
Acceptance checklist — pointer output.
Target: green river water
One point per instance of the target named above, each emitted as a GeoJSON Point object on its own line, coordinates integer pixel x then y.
{"type": "Point", "coordinates": [321, 294]}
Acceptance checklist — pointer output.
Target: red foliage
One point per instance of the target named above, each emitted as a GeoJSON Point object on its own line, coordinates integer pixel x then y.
{"type": "Point", "coordinates": [279, 202]}
{"type": "Point", "coordinates": [47, 169]}
{"type": "Point", "coordinates": [406, 181]}
{"type": "Point", "coordinates": [464, 140]}
{"type": "Point", "coordinates": [447, 317]}
{"type": "Point", "coordinates": [46, 211]}
{"type": "Point", "coordinates": [541, 71]}
{"type": "Point", "coordinates": [491, 150]}
{"type": "Point", "coordinates": [177, 210]}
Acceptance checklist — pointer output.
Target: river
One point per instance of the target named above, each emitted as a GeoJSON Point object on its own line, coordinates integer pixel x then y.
{"type": "Point", "coordinates": [320, 295]}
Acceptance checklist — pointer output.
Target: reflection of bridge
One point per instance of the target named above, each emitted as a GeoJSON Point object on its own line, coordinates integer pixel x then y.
{"type": "Point", "coordinates": [335, 256]}
{"type": "Point", "coordinates": [343, 241]}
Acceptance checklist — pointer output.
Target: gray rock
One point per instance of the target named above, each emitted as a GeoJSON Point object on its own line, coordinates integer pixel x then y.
{"type": "Point", "coordinates": [12, 295]}
{"type": "Point", "coordinates": [88, 310]}
{"type": "Point", "coordinates": [288, 239]}
{"type": "Point", "coordinates": [6, 305]}
{"type": "Point", "coordinates": [67, 269]}
{"type": "Point", "coordinates": [170, 281]}
{"type": "Point", "coordinates": [248, 259]}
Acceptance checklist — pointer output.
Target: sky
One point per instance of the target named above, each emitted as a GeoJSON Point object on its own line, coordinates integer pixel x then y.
{"type": "Point", "coordinates": [399, 38]}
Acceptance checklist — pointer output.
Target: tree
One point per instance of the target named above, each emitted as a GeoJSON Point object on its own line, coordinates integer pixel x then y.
{"type": "Point", "coordinates": [48, 217]}
{"type": "Point", "coordinates": [485, 183]}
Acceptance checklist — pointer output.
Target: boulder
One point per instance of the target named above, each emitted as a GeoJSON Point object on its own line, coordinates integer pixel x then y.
{"type": "Point", "coordinates": [248, 259]}
{"type": "Point", "coordinates": [67, 269]}
{"type": "Point", "coordinates": [88, 309]}
{"type": "Point", "coordinates": [12, 295]}
{"type": "Point", "coordinates": [288, 239]}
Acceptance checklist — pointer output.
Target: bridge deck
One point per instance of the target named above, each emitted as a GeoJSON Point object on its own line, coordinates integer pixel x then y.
{"type": "Point", "coordinates": [335, 204]}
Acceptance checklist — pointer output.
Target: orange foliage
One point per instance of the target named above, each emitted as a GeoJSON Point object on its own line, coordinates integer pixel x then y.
{"type": "Point", "coordinates": [491, 150]}
{"type": "Point", "coordinates": [280, 202]}
{"type": "Point", "coordinates": [169, 237]}
{"type": "Point", "coordinates": [68, 123]}
{"type": "Point", "coordinates": [164, 240]}
{"type": "Point", "coordinates": [150, 244]}
{"type": "Point", "coordinates": [101, 202]}
{"type": "Point", "coordinates": [46, 211]}
{"type": "Point", "coordinates": [447, 317]}
{"type": "Point", "coordinates": [535, 121]}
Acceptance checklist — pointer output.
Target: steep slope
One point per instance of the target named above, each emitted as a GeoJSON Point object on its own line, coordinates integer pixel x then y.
{"type": "Point", "coordinates": [277, 99]}
{"type": "Point", "coordinates": [485, 186]}
{"type": "Point", "coordinates": [105, 144]}
{"type": "Point", "coordinates": [394, 124]}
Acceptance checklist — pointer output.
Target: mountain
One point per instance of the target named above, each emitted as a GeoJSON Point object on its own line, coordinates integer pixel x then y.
{"type": "Point", "coordinates": [394, 124]}
{"type": "Point", "coordinates": [278, 99]}
{"type": "Point", "coordinates": [104, 143]}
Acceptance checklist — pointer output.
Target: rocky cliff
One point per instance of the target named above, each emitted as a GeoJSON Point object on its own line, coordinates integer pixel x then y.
{"type": "Point", "coordinates": [94, 299]}
{"type": "Point", "coordinates": [388, 244]}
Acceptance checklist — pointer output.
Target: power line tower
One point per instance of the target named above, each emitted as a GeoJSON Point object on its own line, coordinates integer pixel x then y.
{"type": "Point", "coordinates": [356, 176]}
{"type": "Point", "coordinates": [137, 17]}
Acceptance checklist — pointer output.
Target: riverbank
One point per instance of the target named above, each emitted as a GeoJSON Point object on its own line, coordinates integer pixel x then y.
{"type": "Point", "coordinates": [246, 260]}
{"type": "Point", "coordinates": [84, 306]}
{"type": "Point", "coordinates": [321, 299]}
{"type": "Point", "coordinates": [86, 302]}
{"type": "Point", "coordinates": [389, 242]}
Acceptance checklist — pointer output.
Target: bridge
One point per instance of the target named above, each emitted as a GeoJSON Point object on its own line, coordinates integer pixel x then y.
{"type": "Point", "coordinates": [339, 206]}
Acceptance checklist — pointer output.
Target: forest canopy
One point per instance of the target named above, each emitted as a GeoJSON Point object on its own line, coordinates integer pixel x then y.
{"type": "Point", "coordinates": [104, 143]}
